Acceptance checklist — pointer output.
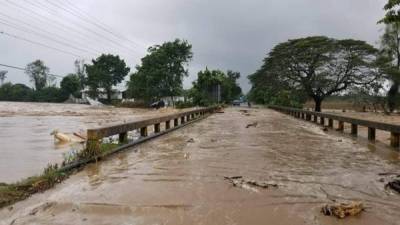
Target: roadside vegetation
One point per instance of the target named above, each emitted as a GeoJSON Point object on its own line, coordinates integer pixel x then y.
{"type": "Point", "coordinates": [316, 68]}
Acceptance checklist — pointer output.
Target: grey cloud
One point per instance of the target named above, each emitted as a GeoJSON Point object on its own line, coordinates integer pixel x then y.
{"type": "Point", "coordinates": [225, 34]}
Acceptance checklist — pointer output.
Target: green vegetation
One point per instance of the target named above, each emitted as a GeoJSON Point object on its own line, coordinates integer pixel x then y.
{"type": "Point", "coordinates": [208, 80]}
{"type": "Point", "coordinates": [11, 193]}
{"type": "Point", "coordinates": [105, 72]}
{"type": "Point", "coordinates": [162, 71]}
{"type": "Point", "coordinates": [71, 84]}
{"type": "Point", "coordinates": [52, 175]}
{"type": "Point", "coordinates": [315, 66]}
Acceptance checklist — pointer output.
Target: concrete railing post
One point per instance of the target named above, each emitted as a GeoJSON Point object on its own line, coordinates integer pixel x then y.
{"type": "Point", "coordinates": [123, 137]}
{"type": "Point", "coordinates": [340, 126]}
{"type": "Point", "coordinates": [143, 132]}
{"type": "Point", "coordinates": [354, 129]}
{"type": "Point", "coordinates": [394, 139]}
{"type": "Point", "coordinates": [330, 123]}
{"type": "Point", "coordinates": [371, 134]}
{"type": "Point", "coordinates": [157, 128]}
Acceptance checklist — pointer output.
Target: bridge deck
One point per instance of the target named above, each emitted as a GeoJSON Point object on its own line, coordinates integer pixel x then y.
{"type": "Point", "coordinates": [179, 178]}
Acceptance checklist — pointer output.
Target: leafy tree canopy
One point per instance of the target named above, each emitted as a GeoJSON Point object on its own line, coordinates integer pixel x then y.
{"type": "Point", "coordinates": [71, 84]}
{"type": "Point", "coordinates": [38, 74]}
{"type": "Point", "coordinates": [105, 72]}
{"type": "Point", "coordinates": [161, 72]}
{"type": "Point", "coordinates": [392, 12]}
{"type": "Point", "coordinates": [320, 66]}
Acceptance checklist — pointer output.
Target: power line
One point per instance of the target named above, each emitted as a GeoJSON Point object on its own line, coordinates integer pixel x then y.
{"type": "Point", "coordinates": [89, 21]}
{"type": "Point", "coordinates": [42, 6]}
{"type": "Point", "coordinates": [45, 31]}
{"type": "Point", "coordinates": [38, 43]}
{"type": "Point", "coordinates": [30, 31]}
{"type": "Point", "coordinates": [23, 69]}
{"type": "Point", "coordinates": [46, 18]}
{"type": "Point", "coordinates": [98, 22]}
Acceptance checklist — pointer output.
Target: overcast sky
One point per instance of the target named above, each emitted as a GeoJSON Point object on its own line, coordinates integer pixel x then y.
{"type": "Point", "coordinates": [225, 34]}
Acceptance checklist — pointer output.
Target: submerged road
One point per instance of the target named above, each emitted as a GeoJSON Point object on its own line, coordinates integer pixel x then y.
{"type": "Point", "coordinates": [179, 178]}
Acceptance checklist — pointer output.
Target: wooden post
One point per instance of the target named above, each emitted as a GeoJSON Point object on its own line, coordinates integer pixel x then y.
{"type": "Point", "coordinates": [167, 124]}
{"type": "Point", "coordinates": [354, 129]}
{"type": "Point", "coordinates": [330, 123]}
{"type": "Point", "coordinates": [340, 126]}
{"type": "Point", "coordinates": [123, 137]}
{"type": "Point", "coordinates": [322, 121]}
{"type": "Point", "coordinates": [371, 134]}
{"type": "Point", "coordinates": [176, 122]}
{"type": "Point", "coordinates": [394, 139]}
{"type": "Point", "coordinates": [157, 128]}
{"type": "Point", "coordinates": [143, 132]}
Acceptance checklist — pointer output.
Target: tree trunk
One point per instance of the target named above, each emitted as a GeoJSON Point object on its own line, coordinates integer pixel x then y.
{"type": "Point", "coordinates": [318, 102]}
{"type": "Point", "coordinates": [109, 95]}
{"type": "Point", "coordinates": [392, 94]}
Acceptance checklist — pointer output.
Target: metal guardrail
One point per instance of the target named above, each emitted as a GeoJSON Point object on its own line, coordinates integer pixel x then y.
{"type": "Point", "coordinates": [371, 125]}
{"type": "Point", "coordinates": [94, 136]}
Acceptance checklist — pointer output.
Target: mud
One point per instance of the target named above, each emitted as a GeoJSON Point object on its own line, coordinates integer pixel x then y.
{"type": "Point", "coordinates": [26, 144]}
{"type": "Point", "coordinates": [173, 181]}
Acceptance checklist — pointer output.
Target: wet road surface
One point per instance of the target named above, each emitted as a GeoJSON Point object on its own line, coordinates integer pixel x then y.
{"type": "Point", "coordinates": [179, 178]}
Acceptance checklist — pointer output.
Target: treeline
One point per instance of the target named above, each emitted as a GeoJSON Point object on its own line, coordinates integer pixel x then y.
{"type": "Point", "coordinates": [159, 76]}
{"type": "Point", "coordinates": [318, 67]}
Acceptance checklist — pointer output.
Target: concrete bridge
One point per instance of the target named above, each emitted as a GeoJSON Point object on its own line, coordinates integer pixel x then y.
{"type": "Point", "coordinates": [180, 177]}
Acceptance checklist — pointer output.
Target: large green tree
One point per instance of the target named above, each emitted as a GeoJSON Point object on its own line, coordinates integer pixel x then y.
{"type": "Point", "coordinates": [322, 66]}
{"type": "Point", "coordinates": [392, 12]}
{"type": "Point", "coordinates": [38, 73]}
{"type": "Point", "coordinates": [105, 72]}
{"type": "Point", "coordinates": [71, 84]}
{"type": "Point", "coordinates": [390, 56]}
{"type": "Point", "coordinates": [161, 72]}
{"type": "Point", "coordinates": [204, 86]}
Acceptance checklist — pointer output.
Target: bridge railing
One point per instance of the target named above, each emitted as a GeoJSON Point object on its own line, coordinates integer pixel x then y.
{"type": "Point", "coordinates": [172, 121]}
{"type": "Point", "coordinates": [321, 118]}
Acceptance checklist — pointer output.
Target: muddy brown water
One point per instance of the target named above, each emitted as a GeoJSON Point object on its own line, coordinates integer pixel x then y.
{"type": "Point", "coordinates": [26, 146]}
{"type": "Point", "coordinates": [171, 180]}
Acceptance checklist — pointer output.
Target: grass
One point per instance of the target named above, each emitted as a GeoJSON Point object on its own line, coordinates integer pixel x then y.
{"type": "Point", "coordinates": [51, 175]}
{"type": "Point", "coordinates": [11, 193]}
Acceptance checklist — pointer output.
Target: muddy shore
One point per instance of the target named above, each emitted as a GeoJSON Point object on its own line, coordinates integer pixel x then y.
{"type": "Point", "coordinates": [179, 178]}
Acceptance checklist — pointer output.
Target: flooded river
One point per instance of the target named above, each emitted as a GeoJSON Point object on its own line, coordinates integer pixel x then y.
{"type": "Point", "coordinates": [26, 146]}
{"type": "Point", "coordinates": [179, 178]}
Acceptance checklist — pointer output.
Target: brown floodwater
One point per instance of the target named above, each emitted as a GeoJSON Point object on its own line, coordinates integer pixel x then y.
{"type": "Point", "coordinates": [26, 146]}
{"type": "Point", "coordinates": [179, 178]}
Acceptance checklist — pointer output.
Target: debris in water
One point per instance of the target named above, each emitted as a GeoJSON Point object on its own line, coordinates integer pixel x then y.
{"type": "Point", "coordinates": [343, 210]}
{"type": "Point", "coordinates": [239, 181]}
{"type": "Point", "coordinates": [252, 125]}
{"type": "Point", "coordinates": [394, 185]}
{"type": "Point", "coordinates": [191, 140]}
{"type": "Point", "coordinates": [60, 136]}
{"type": "Point", "coordinates": [325, 128]}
